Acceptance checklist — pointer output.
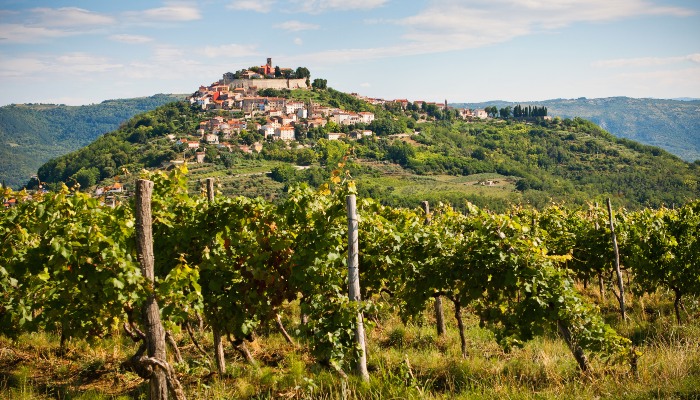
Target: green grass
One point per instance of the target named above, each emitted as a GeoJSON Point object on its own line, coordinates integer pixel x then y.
{"type": "Point", "coordinates": [405, 361]}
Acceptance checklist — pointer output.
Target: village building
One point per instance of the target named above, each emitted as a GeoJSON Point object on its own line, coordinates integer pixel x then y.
{"type": "Point", "coordinates": [285, 132]}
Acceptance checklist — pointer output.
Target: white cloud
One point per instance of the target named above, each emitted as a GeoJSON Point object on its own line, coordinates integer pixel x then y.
{"type": "Point", "coordinates": [319, 6]}
{"type": "Point", "coordinates": [133, 39]}
{"type": "Point", "coordinates": [18, 33]}
{"type": "Point", "coordinates": [365, 84]}
{"type": "Point", "coordinates": [447, 25]}
{"type": "Point", "coordinates": [296, 26]}
{"type": "Point", "coordinates": [172, 12]}
{"type": "Point", "coordinates": [20, 66]}
{"type": "Point", "coordinates": [42, 24]}
{"type": "Point", "coordinates": [646, 61]}
{"type": "Point", "coordinates": [479, 23]}
{"type": "Point", "coordinates": [70, 17]}
{"type": "Point", "coordinates": [77, 63]}
{"type": "Point", "coordinates": [261, 6]}
{"type": "Point", "coordinates": [82, 62]}
{"type": "Point", "coordinates": [298, 41]}
{"type": "Point", "coordinates": [230, 50]}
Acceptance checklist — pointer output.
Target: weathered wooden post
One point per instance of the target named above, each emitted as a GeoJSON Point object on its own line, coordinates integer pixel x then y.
{"type": "Point", "coordinates": [620, 282]}
{"type": "Point", "coordinates": [354, 283]}
{"type": "Point", "coordinates": [155, 334]}
{"type": "Point", "coordinates": [439, 313]}
{"type": "Point", "coordinates": [219, 357]}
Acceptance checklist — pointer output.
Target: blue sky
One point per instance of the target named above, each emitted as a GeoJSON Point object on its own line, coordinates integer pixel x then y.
{"type": "Point", "coordinates": [80, 52]}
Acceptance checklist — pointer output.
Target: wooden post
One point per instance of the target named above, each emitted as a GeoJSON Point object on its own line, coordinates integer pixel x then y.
{"type": "Point", "coordinates": [576, 350]}
{"type": "Point", "coordinates": [155, 334]}
{"type": "Point", "coordinates": [219, 359]}
{"type": "Point", "coordinates": [620, 282]}
{"type": "Point", "coordinates": [601, 283]}
{"type": "Point", "coordinates": [354, 284]}
{"type": "Point", "coordinates": [439, 313]}
{"type": "Point", "coordinates": [460, 327]}
{"type": "Point", "coordinates": [219, 356]}
{"type": "Point", "coordinates": [210, 189]}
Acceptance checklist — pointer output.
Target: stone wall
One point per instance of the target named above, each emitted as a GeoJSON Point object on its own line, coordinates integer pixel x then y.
{"type": "Point", "coordinates": [270, 83]}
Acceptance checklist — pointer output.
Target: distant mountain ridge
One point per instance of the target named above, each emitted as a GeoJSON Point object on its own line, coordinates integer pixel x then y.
{"type": "Point", "coordinates": [673, 125]}
{"type": "Point", "coordinates": [31, 134]}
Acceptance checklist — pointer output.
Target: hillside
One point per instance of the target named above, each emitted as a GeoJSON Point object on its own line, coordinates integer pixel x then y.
{"type": "Point", "coordinates": [412, 156]}
{"type": "Point", "coordinates": [31, 134]}
{"type": "Point", "coordinates": [673, 125]}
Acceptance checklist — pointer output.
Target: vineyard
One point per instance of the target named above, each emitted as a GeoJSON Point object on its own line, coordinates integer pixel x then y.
{"type": "Point", "coordinates": [230, 276]}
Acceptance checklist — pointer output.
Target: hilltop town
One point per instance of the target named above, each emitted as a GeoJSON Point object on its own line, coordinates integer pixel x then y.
{"type": "Point", "coordinates": [242, 95]}
{"type": "Point", "coordinates": [267, 115]}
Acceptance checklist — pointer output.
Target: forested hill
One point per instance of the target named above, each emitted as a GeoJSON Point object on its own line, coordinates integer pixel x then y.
{"type": "Point", "coordinates": [31, 134]}
{"type": "Point", "coordinates": [673, 125]}
{"type": "Point", "coordinates": [414, 155]}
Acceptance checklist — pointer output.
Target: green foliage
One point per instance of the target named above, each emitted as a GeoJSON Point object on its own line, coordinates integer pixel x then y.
{"type": "Point", "coordinates": [319, 84]}
{"type": "Point", "coordinates": [237, 261]}
{"type": "Point", "coordinates": [672, 125]}
{"type": "Point", "coordinates": [68, 265]}
{"type": "Point", "coordinates": [32, 134]}
{"type": "Point", "coordinates": [491, 261]}
{"type": "Point", "coordinates": [138, 143]}
{"type": "Point", "coordinates": [570, 160]}
{"type": "Point", "coordinates": [662, 246]}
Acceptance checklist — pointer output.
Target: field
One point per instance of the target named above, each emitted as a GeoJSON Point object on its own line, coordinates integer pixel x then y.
{"type": "Point", "coordinates": [405, 361]}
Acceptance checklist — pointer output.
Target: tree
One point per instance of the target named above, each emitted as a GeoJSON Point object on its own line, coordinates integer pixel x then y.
{"type": "Point", "coordinates": [505, 112]}
{"type": "Point", "coordinates": [87, 177]}
{"type": "Point", "coordinates": [492, 111]}
{"type": "Point", "coordinates": [331, 151]}
{"type": "Point", "coordinates": [278, 73]}
{"type": "Point", "coordinates": [319, 84]}
{"type": "Point", "coordinates": [283, 173]}
{"type": "Point", "coordinates": [400, 152]}
{"type": "Point", "coordinates": [302, 72]}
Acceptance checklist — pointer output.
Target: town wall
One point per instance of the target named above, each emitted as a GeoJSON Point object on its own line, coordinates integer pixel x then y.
{"type": "Point", "coordinates": [270, 83]}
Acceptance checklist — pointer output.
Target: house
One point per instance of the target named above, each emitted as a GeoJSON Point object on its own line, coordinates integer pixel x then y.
{"type": "Point", "coordinates": [211, 138]}
{"type": "Point", "coordinates": [465, 113]}
{"type": "Point", "coordinates": [292, 107]}
{"type": "Point", "coordinates": [249, 104]}
{"type": "Point", "coordinates": [346, 118]}
{"type": "Point", "coordinates": [237, 125]}
{"type": "Point", "coordinates": [316, 122]}
{"type": "Point", "coordinates": [248, 74]}
{"type": "Point", "coordinates": [359, 134]}
{"type": "Point", "coordinates": [225, 146]}
{"type": "Point", "coordinates": [274, 103]}
{"type": "Point", "coordinates": [366, 117]}
{"type": "Point", "coordinates": [269, 128]}
{"type": "Point", "coordinates": [285, 132]}
{"type": "Point", "coordinates": [116, 188]}
{"type": "Point", "coordinates": [288, 119]}
{"type": "Point", "coordinates": [402, 102]}
{"type": "Point", "coordinates": [190, 144]}
{"type": "Point", "coordinates": [199, 156]}
{"type": "Point", "coordinates": [335, 135]}
{"type": "Point", "coordinates": [481, 114]}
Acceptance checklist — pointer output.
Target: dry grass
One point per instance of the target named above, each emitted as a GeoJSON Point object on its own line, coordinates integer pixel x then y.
{"type": "Point", "coordinates": [406, 361]}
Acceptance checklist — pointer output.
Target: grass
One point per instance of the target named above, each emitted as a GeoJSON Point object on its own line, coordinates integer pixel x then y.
{"type": "Point", "coordinates": [405, 361]}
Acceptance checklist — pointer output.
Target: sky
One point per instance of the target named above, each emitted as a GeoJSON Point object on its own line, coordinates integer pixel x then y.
{"type": "Point", "coordinates": [84, 51]}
